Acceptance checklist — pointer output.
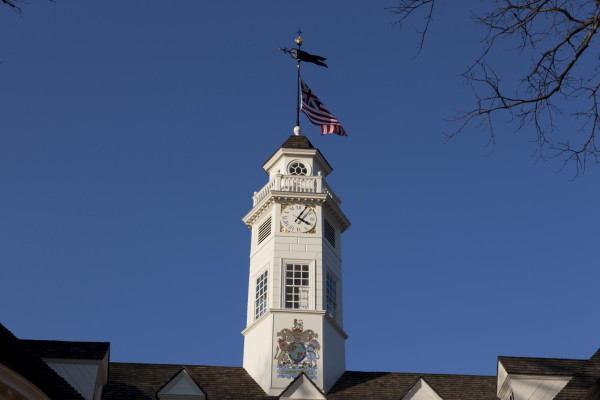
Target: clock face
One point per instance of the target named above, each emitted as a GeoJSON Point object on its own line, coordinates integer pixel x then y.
{"type": "Point", "coordinates": [298, 218]}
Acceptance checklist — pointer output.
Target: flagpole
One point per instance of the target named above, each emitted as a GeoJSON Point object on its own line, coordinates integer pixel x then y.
{"type": "Point", "coordinates": [299, 42]}
{"type": "Point", "coordinates": [298, 95]}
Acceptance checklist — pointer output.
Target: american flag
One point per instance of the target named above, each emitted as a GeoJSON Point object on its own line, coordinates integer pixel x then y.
{"type": "Point", "coordinates": [318, 114]}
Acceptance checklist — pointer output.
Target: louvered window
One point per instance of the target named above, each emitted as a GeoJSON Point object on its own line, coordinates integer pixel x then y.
{"type": "Point", "coordinates": [329, 232]}
{"type": "Point", "coordinates": [260, 304]}
{"type": "Point", "coordinates": [296, 286]}
{"type": "Point", "coordinates": [264, 230]}
{"type": "Point", "coordinates": [331, 292]}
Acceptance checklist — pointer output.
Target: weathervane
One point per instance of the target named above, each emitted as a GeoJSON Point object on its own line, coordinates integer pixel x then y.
{"type": "Point", "coordinates": [306, 100]}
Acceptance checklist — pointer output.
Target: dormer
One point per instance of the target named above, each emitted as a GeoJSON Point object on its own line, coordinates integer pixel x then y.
{"type": "Point", "coordinates": [181, 387]}
{"type": "Point", "coordinates": [84, 365]}
{"type": "Point", "coordinates": [422, 391]}
{"type": "Point", "coordinates": [524, 378]}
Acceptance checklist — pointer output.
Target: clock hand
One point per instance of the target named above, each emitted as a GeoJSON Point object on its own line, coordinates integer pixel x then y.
{"type": "Point", "coordinates": [307, 223]}
{"type": "Point", "coordinates": [300, 216]}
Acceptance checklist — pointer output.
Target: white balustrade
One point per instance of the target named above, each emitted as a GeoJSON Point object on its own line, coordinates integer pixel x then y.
{"type": "Point", "coordinates": [258, 196]}
{"type": "Point", "coordinates": [295, 183]}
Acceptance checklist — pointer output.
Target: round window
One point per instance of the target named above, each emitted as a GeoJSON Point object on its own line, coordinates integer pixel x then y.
{"type": "Point", "coordinates": [297, 168]}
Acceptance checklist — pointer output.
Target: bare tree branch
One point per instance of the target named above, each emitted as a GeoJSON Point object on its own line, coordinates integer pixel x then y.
{"type": "Point", "coordinates": [11, 4]}
{"type": "Point", "coordinates": [407, 7]}
{"type": "Point", "coordinates": [557, 35]}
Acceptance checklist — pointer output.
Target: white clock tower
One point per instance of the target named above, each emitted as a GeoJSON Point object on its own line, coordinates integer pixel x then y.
{"type": "Point", "coordinates": [294, 322]}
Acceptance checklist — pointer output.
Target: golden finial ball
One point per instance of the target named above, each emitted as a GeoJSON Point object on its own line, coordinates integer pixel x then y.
{"type": "Point", "coordinates": [299, 40]}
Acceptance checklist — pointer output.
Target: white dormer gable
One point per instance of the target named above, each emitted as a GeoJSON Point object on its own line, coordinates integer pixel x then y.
{"type": "Point", "coordinates": [302, 388]}
{"type": "Point", "coordinates": [181, 387]}
{"type": "Point", "coordinates": [421, 391]}
{"type": "Point", "coordinates": [528, 387]}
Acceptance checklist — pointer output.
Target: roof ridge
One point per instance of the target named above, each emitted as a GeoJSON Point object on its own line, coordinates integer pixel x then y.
{"type": "Point", "coordinates": [61, 341]}
{"type": "Point", "coordinates": [542, 358]}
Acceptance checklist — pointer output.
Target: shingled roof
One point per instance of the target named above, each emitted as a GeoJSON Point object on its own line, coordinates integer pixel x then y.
{"type": "Point", "coordinates": [142, 381]}
{"type": "Point", "coordinates": [540, 366]}
{"type": "Point", "coordinates": [585, 374]}
{"type": "Point", "coordinates": [394, 386]}
{"type": "Point", "coordinates": [62, 349]}
{"type": "Point", "coordinates": [585, 383]}
{"type": "Point", "coordinates": [297, 142]}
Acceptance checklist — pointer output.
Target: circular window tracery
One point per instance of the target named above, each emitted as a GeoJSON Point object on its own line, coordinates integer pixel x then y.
{"type": "Point", "coordinates": [297, 168]}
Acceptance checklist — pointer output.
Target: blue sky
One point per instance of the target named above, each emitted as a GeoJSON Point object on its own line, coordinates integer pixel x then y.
{"type": "Point", "coordinates": [132, 135]}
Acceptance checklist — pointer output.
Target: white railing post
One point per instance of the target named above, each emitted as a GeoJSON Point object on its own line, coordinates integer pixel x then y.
{"type": "Point", "coordinates": [277, 181]}
{"type": "Point", "coordinates": [319, 183]}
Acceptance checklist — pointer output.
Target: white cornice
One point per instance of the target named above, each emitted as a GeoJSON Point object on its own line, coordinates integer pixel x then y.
{"type": "Point", "coordinates": [281, 197]}
{"type": "Point", "coordinates": [336, 326]}
{"type": "Point", "coordinates": [257, 211]}
{"type": "Point", "coordinates": [278, 311]}
{"type": "Point", "coordinates": [339, 215]}
{"type": "Point", "coordinates": [299, 196]}
{"type": "Point", "coordinates": [272, 311]}
{"type": "Point", "coordinates": [310, 198]}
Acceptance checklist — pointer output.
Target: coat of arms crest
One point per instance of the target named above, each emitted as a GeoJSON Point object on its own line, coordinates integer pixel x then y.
{"type": "Point", "coordinates": [297, 351]}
